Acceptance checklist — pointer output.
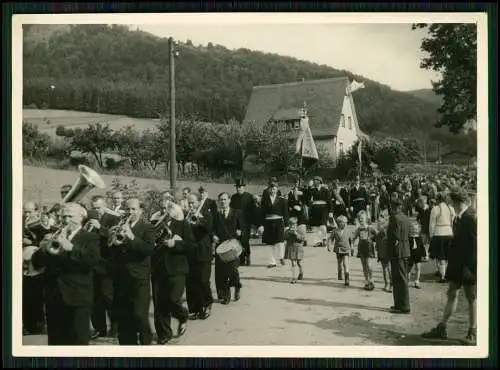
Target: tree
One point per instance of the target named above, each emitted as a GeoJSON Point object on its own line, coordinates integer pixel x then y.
{"type": "Point", "coordinates": [452, 50]}
{"type": "Point", "coordinates": [35, 143]}
{"type": "Point", "coordinates": [96, 140]}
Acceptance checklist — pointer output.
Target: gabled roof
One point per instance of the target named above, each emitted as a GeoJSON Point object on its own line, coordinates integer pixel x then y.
{"type": "Point", "coordinates": [324, 99]}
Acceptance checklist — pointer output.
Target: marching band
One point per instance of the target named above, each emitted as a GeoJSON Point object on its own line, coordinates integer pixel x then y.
{"type": "Point", "coordinates": [104, 265]}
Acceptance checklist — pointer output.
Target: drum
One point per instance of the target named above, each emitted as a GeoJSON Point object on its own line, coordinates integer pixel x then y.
{"type": "Point", "coordinates": [229, 250]}
{"type": "Point", "coordinates": [28, 269]}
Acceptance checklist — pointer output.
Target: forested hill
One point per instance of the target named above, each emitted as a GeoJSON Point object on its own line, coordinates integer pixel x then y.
{"type": "Point", "coordinates": [112, 69]}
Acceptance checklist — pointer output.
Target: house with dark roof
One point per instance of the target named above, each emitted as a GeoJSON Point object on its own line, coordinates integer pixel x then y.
{"type": "Point", "coordinates": [330, 107]}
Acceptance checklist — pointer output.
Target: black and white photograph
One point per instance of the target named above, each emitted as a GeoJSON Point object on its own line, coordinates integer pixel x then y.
{"type": "Point", "coordinates": [250, 185]}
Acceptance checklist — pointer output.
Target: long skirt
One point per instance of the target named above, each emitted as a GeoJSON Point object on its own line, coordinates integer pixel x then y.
{"type": "Point", "coordinates": [318, 215]}
{"type": "Point", "coordinates": [274, 232]}
{"type": "Point", "coordinates": [439, 247]}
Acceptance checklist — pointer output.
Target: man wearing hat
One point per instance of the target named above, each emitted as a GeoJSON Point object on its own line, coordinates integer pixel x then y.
{"type": "Point", "coordinates": [398, 250]}
{"type": "Point", "coordinates": [244, 202]}
{"type": "Point", "coordinates": [320, 210]}
{"type": "Point", "coordinates": [207, 204]}
{"type": "Point", "coordinates": [462, 268]}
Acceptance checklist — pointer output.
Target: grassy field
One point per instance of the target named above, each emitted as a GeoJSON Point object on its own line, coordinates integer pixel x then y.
{"type": "Point", "coordinates": [43, 184]}
{"type": "Point", "coordinates": [49, 119]}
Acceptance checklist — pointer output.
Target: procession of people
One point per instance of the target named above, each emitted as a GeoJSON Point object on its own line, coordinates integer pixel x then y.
{"type": "Point", "coordinates": [100, 265]}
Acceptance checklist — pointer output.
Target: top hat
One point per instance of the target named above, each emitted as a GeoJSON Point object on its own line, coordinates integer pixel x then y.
{"type": "Point", "coordinates": [239, 182]}
{"type": "Point", "coordinates": [317, 178]}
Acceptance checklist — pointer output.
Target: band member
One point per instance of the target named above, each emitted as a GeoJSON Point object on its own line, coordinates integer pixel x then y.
{"type": "Point", "coordinates": [244, 202]}
{"type": "Point", "coordinates": [198, 291]}
{"type": "Point", "coordinates": [30, 219]}
{"type": "Point", "coordinates": [69, 258]}
{"type": "Point", "coordinates": [133, 239]}
{"type": "Point", "coordinates": [42, 228]}
{"type": "Point", "coordinates": [207, 204]}
{"type": "Point", "coordinates": [103, 274]}
{"type": "Point", "coordinates": [272, 225]}
{"type": "Point", "coordinates": [228, 225]}
{"type": "Point", "coordinates": [174, 238]}
{"type": "Point", "coordinates": [320, 211]}
{"type": "Point", "coordinates": [358, 199]}
{"type": "Point", "coordinates": [117, 202]}
{"type": "Point", "coordinates": [183, 202]}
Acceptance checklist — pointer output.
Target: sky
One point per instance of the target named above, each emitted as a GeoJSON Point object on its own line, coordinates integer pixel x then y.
{"type": "Point", "coordinates": [386, 53]}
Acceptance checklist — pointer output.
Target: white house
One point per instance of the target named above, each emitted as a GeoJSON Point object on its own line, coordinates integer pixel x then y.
{"type": "Point", "coordinates": [330, 106]}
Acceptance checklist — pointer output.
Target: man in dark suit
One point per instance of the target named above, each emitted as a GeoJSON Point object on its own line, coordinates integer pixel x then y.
{"type": "Point", "coordinates": [245, 203]}
{"type": "Point", "coordinates": [198, 291]}
{"type": "Point", "coordinates": [170, 267]}
{"type": "Point", "coordinates": [133, 245]}
{"type": "Point", "coordinates": [228, 225]}
{"type": "Point", "coordinates": [99, 222]}
{"type": "Point", "coordinates": [68, 278]}
{"type": "Point", "coordinates": [462, 268]}
{"type": "Point", "coordinates": [398, 249]}
{"type": "Point", "coordinates": [265, 193]}
{"type": "Point", "coordinates": [206, 203]}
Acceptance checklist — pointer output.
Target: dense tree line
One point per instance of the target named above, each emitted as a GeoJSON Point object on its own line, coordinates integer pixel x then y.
{"type": "Point", "coordinates": [111, 69]}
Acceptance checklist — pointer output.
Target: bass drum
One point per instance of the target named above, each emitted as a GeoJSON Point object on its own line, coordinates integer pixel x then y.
{"type": "Point", "coordinates": [229, 250]}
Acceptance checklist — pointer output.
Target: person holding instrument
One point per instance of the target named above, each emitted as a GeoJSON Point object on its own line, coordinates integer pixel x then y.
{"type": "Point", "coordinates": [174, 239]}
{"type": "Point", "coordinates": [100, 221]}
{"type": "Point", "coordinates": [69, 257]}
{"type": "Point", "coordinates": [133, 239]}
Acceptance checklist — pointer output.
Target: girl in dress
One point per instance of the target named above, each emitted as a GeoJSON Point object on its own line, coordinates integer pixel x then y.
{"type": "Point", "coordinates": [341, 242]}
{"type": "Point", "coordinates": [417, 252]}
{"type": "Point", "coordinates": [365, 235]}
{"type": "Point", "coordinates": [381, 246]}
{"type": "Point", "coordinates": [294, 247]}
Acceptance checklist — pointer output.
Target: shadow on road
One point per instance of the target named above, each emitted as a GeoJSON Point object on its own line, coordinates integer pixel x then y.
{"type": "Point", "coordinates": [354, 326]}
{"type": "Point", "coordinates": [330, 283]}
{"type": "Point", "coordinates": [332, 304]}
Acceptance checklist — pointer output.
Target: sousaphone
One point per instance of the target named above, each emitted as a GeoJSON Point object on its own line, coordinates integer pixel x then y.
{"type": "Point", "coordinates": [88, 180]}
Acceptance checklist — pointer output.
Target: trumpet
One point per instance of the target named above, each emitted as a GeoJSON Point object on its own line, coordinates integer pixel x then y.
{"type": "Point", "coordinates": [194, 217]}
{"type": "Point", "coordinates": [52, 240]}
{"type": "Point", "coordinates": [117, 235]}
{"type": "Point", "coordinates": [162, 229]}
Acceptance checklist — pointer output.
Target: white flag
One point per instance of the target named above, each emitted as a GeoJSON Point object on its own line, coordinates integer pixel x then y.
{"type": "Point", "coordinates": [354, 85]}
{"type": "Point", "coordinates": [305, 143]}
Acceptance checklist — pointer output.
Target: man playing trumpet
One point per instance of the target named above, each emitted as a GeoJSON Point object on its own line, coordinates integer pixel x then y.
{"type": "Point", "coordinates": [100, 222]}
{"type": "Point", "coordinates": [133, 240]}
{"type": "Point", "coordinates": [69, 257]}
{"type": "Point", "coordinates": [198, 291]}
{"type": "Point", "coordinates": [170, 267]}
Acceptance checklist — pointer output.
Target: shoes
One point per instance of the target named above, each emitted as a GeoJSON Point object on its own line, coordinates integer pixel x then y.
{"type": "Point", "coordinates": [163, 341]}
{"type": "Point", "coordinates": [113, 332]}
{"type": "Point", "coordinates": [439, 332]}
{"type": "Point", "coordinates": [182, 328]}
{"type": "Point", "coordinates": [399, 310]}
{"type": "Point", "coordinates": [225, 301]}
{"type": "Point", "coordinates": [270, 266]}
{"type": "Point", "coordinates": [339, 276]}
{"type": "Point", "coordinates": [97, 334]}
{"type": "Point", "coordinates": [293, 281]}
{"type": "Point", "coordinates": [237, 294]}
{"type": "Point", "coordinates": [282, 261]}
{"type": "Point", "coordinates": [417, 285]}
{"type": "Point", "coordinates": [346, 282]}
{"type": "Point", "coordinates": [205, 313]}
{"type": "Point", "coordinates": [301, 276]}
{"type": "Point", "coordinates": [193, 316]}
{"type": "Point", "coordinates": [369, 287]}
{"type": "Point", "coordinates": [247, 262]}
{"type": "Point", "coordinates": [470, 339]}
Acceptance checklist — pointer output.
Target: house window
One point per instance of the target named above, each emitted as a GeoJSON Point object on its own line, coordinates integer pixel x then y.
{"type": "Point", "coordinates": [349, 122]}
{"type": "Point", "coordinates": [341, 148]}
{"type": "Point", "coordinates": [342, 120]}
{"type": "Point", "coordinates": [296, 125]}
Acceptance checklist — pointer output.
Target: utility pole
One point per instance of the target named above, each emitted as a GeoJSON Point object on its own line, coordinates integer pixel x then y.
{"type": "Point", "coordinates": [173, 162]}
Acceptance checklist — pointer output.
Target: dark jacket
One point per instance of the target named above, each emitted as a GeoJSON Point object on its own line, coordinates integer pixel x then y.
{"type": "Point", "coordinates": [211, 206]}
{"type": "Point", "coordinates": [202, 233]}
{"type": "Point", "coordinates": [398, 235]}
{"type": "Point", "coordinates": [464, 245]}
{"type": "Point", "coordinates": [279, 207]}
{"type": "Point", "coordinates": [132, 260]}
{"type": "Point", "coordinates": [174, 261]}
{"type": "Point", "coordinates": [105, 263]}
{"type": "Point", "coordinates": [225, 228]}
{"type": "Point", "coordinates": [69, 275]}
{"type": "Point", "coordinates": [246, 204]}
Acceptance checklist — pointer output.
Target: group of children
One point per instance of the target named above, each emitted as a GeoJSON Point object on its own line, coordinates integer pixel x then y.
{"type": "Point", "coordinates": [371, 243]}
